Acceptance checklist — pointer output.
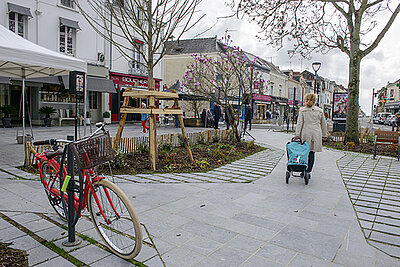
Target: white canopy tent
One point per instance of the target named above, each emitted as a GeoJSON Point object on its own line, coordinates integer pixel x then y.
{"type": "Point", "coordinates": [20, 58]}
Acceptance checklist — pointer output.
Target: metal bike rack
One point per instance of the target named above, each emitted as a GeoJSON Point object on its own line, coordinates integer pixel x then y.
{"type": "Point", "coordinates": [72, 239]}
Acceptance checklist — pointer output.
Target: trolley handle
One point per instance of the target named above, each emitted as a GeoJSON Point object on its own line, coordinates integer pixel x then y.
{"type": "Point", "coordinates": [297, 140]}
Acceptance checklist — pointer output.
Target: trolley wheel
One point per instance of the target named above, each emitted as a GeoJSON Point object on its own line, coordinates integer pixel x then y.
{"type": "Point", "coordinates": [306, 178]}
{"type": "Point", "coordinates": [287, 176]}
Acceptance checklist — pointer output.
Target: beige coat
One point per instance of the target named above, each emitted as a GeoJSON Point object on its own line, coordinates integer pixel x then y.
{"type": "Point", "coordinates": [311, 127]}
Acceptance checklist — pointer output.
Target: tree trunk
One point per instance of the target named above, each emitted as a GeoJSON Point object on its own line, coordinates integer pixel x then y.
{"type": "Point", "coordinates": [352, 134]}
{"type": "Point", "coordinates": [233, 123]}
{"type": "Point", "coordinates": [153, 155]}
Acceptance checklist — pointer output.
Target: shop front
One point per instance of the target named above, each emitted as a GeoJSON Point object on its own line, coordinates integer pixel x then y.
{"type": "Point", "coordinates": [121, 83]}
{"type": "Point", "coordinates": [392, 107]}
{"type": "Point", "coordinates": [261, 106]}
{"type": "Point", "coordinates": [53, 92]}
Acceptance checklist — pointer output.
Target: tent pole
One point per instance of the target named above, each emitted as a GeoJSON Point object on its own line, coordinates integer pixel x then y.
{"type": "Point", "coordinates": [23, 105]}
{"type": "Point", "coordinates": [84, 107]}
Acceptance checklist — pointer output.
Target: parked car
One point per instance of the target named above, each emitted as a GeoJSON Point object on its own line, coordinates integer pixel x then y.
{"type": "Point", "coordinates": [381, 117]}
{"type": "Point", "coordinates": [390, 120]}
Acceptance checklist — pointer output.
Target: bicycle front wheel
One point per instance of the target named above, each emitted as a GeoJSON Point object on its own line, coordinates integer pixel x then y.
{"type": "Point", "coordinates": [115, 219]}
{"type": "Point", "coordinates": [51, 183]}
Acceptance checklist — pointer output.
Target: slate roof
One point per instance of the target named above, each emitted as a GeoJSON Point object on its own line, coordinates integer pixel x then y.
{"type": "Point", "coordinates": [190, 46]}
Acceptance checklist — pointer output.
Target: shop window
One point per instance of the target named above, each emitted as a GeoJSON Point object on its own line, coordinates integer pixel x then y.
{"type": "Point", "coordinates": [67, 42]}
{"type": "Point", "coordinates": [280, 90]}
{"type": "Point", "coordinates": [92, 100]}
{"type": "Point", "coordinates": [17, 23]}
{"type": "Point", "coordinates": [68, 3]}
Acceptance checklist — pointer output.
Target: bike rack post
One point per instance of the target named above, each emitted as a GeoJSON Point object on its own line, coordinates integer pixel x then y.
{"type": "Point", "coordinates": [72, 240]}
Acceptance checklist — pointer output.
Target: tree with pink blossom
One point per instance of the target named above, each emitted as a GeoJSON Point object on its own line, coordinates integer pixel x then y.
{"type": "Point", "coordinates": [225, 79]}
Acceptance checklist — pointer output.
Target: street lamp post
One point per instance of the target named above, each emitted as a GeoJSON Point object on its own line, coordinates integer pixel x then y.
{"type": "Point", "coordinates": [316, 66]}
{"type": "Point", "coordinates": [372, 111]}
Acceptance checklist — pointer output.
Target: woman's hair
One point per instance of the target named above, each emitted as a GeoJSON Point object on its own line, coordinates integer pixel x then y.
{"type": "Point", "coordinates": [310, 99]}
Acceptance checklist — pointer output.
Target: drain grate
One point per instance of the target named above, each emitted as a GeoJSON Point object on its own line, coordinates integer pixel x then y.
{"type": "Point", "coordinates": [374, 190]}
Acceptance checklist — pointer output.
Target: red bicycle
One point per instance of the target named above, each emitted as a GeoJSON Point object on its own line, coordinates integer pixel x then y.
{"type": "Point", "coordinates": [110, 210]}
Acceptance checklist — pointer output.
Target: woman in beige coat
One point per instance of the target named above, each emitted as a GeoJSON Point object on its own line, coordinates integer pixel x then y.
{"type": "Point", "coordinates": [311, 127]}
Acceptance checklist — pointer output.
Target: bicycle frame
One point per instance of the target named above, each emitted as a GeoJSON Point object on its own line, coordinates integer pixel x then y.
{"type": "Point", "coordinates": [90, 178]}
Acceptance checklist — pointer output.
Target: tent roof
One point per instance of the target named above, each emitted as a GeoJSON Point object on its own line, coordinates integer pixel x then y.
{"type": "Point", "coordinates": [17, 53]}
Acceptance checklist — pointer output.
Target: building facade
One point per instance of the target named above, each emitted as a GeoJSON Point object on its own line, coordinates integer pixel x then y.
{"type": "Point", "coordinates": [59, 26]}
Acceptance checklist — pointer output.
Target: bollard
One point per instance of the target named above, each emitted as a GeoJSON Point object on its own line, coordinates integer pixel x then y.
{"type": "Point", "coordinates": [72, 240]}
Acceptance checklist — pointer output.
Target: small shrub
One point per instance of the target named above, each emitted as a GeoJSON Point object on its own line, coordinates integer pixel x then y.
{"type": "Point", "coordinates": [393, 147]}
{"type": "Point", "coordinates": [170, 159]}
{"type": "Point", "coordinates": [181, 141]}
{"type": "Point", "coordinates": [231, 136]}
{"type": "Point", "coordinates": [119, 161]}
{"type": "Point", "coordinates": [329, 138]}
{"type": "Point", "coordinates": [165, 147]}
{"type": "Point", "coordinates": [143, 147]}
{"type": "Point", "coordinates": [339, 144]}
{"type": "Point", "coordinates": [369, 138]}
{"type": "Point", "coordinates": [198, 146]}
{"type": "Point", "coordinates": [350, 145]}
{"type": "Point", "coordinates": [215, 139]}
{"type": "Point", "coordinates": [202, 163]}
{"type": "Point", "coordinates": [200, 139]}
{"type": "Point", "coordinates": [251, 144]}
{"type": "Point", "coordinates": [215, 153]}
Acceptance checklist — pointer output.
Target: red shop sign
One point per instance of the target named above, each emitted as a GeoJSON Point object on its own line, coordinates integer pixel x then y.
{"type": "Point", "coordinates": [262, 97]}
{"type": "Point", "coordinates": [132, 80]}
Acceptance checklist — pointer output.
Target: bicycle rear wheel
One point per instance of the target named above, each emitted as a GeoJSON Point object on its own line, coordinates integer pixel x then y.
{"type": "Point", "coordinates": [120, 230]}
{"type": "Point", "coordinates": [51, 184]}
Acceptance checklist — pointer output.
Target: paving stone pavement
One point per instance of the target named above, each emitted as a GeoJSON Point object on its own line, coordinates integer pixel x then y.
{"type": "Point", "coordinates": [241, 171]}
{"type": "Point", "coordinates": [373, 186]}
{"type": "Point", "coordinates": [261, 223]}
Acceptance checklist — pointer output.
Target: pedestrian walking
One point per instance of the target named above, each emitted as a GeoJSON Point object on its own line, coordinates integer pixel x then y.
{"type": "Point", "coordinates": [311, 127]}
{"type": "Point", "coordinates": [217, 114]}
{"type": "Point", "coordinates": [209, 119]}
{"type": "Point", "coordinates": [144, 117]}
{"type": "Point", "coordinates": [203, 116]}
{"type": "Point", "coordinates": [397, 121]}
{"type": "Point", "coordinates": [248, 115]}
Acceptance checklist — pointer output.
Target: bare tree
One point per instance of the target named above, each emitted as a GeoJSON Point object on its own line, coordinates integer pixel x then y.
{"type": "Point", "coordinates": [223, 79]}
{"type": "Point", "coordinates": [322, 25]}
{"type": "Point", "coordinates": [141, 27]}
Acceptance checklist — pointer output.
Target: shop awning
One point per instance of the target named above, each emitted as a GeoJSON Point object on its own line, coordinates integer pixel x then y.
{"type": "Point", "coordinates": [19, 9]}
{"type": "Point", "coordinates": [94, 84]}
{"type": "Point", "coordinates": [5, 80]}
{"type": "Point", "coordinates": [50, 79]}
{"type": "Point", "coordinates": [69, 23]}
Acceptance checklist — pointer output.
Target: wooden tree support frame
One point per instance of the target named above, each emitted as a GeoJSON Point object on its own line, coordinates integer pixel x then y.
{"type": "Point", "coordinates": [152, 111]}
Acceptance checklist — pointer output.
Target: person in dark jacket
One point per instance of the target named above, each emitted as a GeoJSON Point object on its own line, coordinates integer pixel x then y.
{"type": "Point", "coordinates": [248, 115]}
{"type": "Point", "coordinates": [227, 117]}
{"type": "Point", "coordinates": [397, 121]}
{"type": "Point", "coordinates": [217, 114]}
{"type": "Point", "coordinates": [203, 116]}
{"type": "Point", "coordinates": [209, 119]}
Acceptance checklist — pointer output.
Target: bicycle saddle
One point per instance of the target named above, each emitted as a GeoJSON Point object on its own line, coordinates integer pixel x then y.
{"type": "Point", "coordinates": [53, 154]}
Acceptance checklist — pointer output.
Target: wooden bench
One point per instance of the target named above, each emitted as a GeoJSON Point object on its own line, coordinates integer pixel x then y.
{"type": "Point", "coordinates": [387, 138]}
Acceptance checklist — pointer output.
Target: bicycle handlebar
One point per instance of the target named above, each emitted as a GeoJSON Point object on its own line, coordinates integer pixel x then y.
{"type": "Point", "coordinates": [45, 142]}
{"type": "Point", "coordinates": [53, 142]}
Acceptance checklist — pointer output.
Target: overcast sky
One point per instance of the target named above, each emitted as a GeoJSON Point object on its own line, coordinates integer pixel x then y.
{"type": "Point", "coordinates": [377, 69]}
